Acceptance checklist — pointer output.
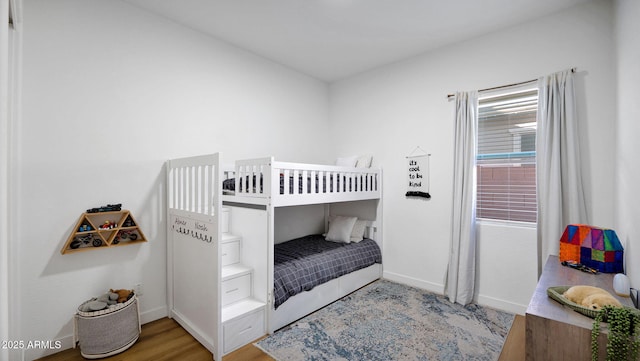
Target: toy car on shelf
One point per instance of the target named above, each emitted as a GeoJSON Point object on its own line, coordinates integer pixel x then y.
{"type": "Point", "coordinates": [84, 228]}
{"type": "Point", "coordinates": [107, 208]}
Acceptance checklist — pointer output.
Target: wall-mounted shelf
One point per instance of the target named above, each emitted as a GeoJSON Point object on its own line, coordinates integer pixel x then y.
{"type": "Point", "coordinates": [103, 229]}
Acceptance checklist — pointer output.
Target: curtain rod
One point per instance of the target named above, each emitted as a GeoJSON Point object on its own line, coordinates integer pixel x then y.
{"type": "Point", "coordinates": [449, 96]}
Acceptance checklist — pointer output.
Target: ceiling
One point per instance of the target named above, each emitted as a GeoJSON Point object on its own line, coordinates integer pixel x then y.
{"type": "Point", "coordinates": [334, 39]}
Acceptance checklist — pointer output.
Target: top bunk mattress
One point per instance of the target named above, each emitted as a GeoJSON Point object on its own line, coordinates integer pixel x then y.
{"type": "Point", "coordinates": [303, 263]}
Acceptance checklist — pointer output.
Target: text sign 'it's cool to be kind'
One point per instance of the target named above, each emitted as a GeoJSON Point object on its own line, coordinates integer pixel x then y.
{"type": "Point", "coordinates": [418, 176]}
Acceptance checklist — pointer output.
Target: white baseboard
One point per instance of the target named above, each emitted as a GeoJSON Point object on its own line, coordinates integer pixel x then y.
{"type": "Point", "coordinates": [501, 305]}
{"type": "Point", "coordinates": [153, 314]}
{"type": "Point", "coordinates": [487, 301]}
{"type": "Point", "coordinates": [414, 282]}
{"type": "Point", "coordinates": [66, 342]}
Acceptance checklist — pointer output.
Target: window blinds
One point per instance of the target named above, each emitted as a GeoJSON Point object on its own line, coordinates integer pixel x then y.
{"type": "Point", "coordinates": [506, 156]}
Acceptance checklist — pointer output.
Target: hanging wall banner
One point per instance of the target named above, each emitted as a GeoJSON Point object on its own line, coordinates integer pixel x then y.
{"type": "Point", "coordinates": [418, 175]}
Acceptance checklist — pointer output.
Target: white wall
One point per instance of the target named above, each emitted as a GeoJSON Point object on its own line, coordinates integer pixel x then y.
{"type": "Point", "coordinates": [627, 178]}
{"type": "Point", "coordinates": [110, 93]}
{"type": "Point", "coordinates": [294, 222]}
{"type": "Point", "coordinates": [6, 56]}
{"type": "Point", "coordinates": [506, 270]}
{"type": "Point", "coordinates": [389, 111]}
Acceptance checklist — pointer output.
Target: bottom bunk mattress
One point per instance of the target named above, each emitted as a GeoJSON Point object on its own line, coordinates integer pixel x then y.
{"type": "Point", "coordinates": [303, 263]}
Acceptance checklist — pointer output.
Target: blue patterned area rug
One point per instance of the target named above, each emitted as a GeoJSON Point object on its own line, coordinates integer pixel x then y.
{"type": "Point", "coordinates": [390, 321]}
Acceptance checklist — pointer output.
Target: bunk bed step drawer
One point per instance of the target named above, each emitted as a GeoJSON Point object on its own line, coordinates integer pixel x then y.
{"type": "Point", "coordinates": [230, 252]}
{"type": "Point", "coordinates": [235, 289]}
{"type": "Point", "coordinates": [242, 330]}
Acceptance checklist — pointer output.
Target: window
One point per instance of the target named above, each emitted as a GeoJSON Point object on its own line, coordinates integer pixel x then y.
{"type": "Point", "coordinates": [506, 157]}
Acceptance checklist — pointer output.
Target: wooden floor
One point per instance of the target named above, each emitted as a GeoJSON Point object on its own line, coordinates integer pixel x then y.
{"type": "Point", "coordinates": [164, 339]}
{"type": "Point", "coordinates": [513, 349]}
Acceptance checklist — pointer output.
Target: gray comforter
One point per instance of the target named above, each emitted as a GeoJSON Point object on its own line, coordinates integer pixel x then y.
{"type": "Point", "coordinates": [303, 263]}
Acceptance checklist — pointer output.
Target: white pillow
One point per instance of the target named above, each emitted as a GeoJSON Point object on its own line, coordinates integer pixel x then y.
{"type": "Point", "coordinates": [364, 161]}
{"type": "Point", "coordinates": [357, 234]}
{"type": "Point", "coordinates": [340, 229]}
{"type": "Point", "coordinates": [347, 161]}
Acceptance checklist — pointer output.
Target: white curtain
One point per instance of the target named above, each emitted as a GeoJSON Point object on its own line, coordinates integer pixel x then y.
{"type": "Point", "coordinates": [460, 278]}
{"type": "Point", "coordinates": [559, 179]}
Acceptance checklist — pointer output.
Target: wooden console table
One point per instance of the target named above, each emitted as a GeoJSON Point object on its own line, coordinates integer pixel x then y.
{"type": "Point", "coordinates": [556, 332]}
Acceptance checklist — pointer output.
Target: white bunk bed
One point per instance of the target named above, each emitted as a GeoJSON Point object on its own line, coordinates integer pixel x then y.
{"type": "Point", "coordinates": [261, 186]}
{"type": "Point", "coordinates": [273, 184]}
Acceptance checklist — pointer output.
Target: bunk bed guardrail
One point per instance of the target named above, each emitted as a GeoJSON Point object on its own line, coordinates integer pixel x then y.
{"type": "Point", "coordinates": [265, 178]}
{"type": "Point", "coordinates": [193, 184]}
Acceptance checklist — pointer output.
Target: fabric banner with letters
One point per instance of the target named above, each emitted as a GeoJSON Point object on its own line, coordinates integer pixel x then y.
{"type": "Point", "coordinates": [418, 176]}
